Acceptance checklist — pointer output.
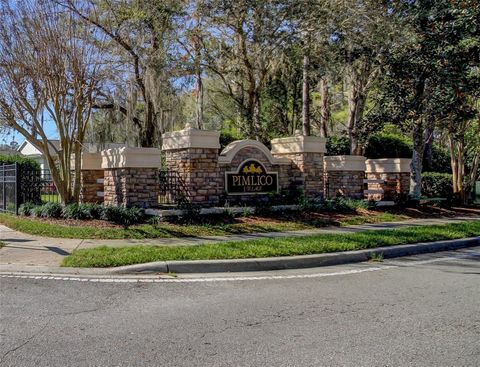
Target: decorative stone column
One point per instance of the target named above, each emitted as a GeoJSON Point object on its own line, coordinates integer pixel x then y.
{"type": "Point", "coordinates": [306, 154]}
{"type": "Point", "coordinates": [344, 176]}
{"type": "Point", "coordinates": [192, 154]}
{"type": "Point", "coordinates": [91, 178]}
{"type": "Point", "coordinates": [131, 176]}
{"type": "Point", "coordinates": [388, 178]}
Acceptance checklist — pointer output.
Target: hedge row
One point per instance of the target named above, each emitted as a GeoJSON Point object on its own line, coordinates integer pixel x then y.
{"type": "Point", "coordinates": [115, 214]}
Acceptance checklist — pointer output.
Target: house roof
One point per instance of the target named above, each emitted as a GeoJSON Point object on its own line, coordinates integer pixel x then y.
{"type": "Point", "coordinates": [29, 150]}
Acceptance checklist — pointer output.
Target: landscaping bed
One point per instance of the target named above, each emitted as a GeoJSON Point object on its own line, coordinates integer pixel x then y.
{"type": "Point", "coordinates": [222, 224]}
{"type": "Point", "coordinates": [207, 226]}
{"type": "Point", "coordinates": [260, 248]}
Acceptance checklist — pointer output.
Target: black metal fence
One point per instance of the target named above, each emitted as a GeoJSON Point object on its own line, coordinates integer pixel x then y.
{"type": "Point", "coordinates": [9, 188]}
{"type": "Point", "coordinates": [48, 190]}
{"type": "Point", "coordinates": [172, 188]}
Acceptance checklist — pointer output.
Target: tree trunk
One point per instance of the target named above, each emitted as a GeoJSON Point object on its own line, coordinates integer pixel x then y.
{"type": "Point", "coordinates": [356, 105]}
{"type": "Point", "coordinates": [325, 108]}
{"type": "Point", "coordinates": [429, 146]}
{"type": "Point", "coordinates": [417, 159]}
{"type": "Point", "coordinates": [148, 134]}
{"type": "Point", "coordinates": [257, 117]}
{"type": "Point", "coordinates": [199, 101]}
{"type": "Point", "coordinates": [306, 97]}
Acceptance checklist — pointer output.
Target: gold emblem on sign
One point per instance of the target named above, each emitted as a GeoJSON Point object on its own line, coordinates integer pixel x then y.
{"type": "Point", "coordinates": [252, 169]}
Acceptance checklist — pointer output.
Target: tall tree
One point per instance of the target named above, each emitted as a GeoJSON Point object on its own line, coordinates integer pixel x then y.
{"type": "Point", "coordinates": [48, 66]}
{"type": "Point", "coordinates": [365, 30]}
{"type": "Point", "coordinates": [140, 35]}
{"type": "Point", "coordinates": [428, 78]}
{"type": "Point", "coordinates": [246, 37]}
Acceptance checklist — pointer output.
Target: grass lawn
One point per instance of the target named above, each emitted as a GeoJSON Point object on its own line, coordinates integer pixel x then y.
{"type": "Point", "coordinates": [166, 230]}
{"type": "Point", "coordinates": [108, 256]}
{"type": "Point", "coordinates": [54, 198]}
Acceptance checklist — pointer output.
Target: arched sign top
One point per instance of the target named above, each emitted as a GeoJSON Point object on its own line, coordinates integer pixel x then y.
{"type": "Point", "coordinates": [228, 154]}
{"type": "Point", "coordinates": [251, 178]}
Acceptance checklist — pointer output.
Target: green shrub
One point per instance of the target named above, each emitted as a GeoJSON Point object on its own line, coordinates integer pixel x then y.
{"type": "Point", "coordinates": [48, 210]}
{"type": "Point", "coordinates": [339, 205]}
{"type": "Point", "coordinates": [344, 205]}
{"type": "Point", "coordinates": [437, 185]}
{"type": "Point", "coordinates": [111, 213]}
{"type": "Point", "coordinates": [227, 137]}
{"type": "Point", "coordinates": [306, 204]}
{"type": "Point", "coordinates": [388, 146]}
{"type": "Point", "coordinates": [96, 210]}
{"type": "Point", "coordinates": [123, 216]}
{"type": "Point", "coordinates": [440, 161]}
{"type": "Point", "coordinates": [132, 215]}
{"type": "Point", "coordinates": [82, 211]}
{"type": "Point", "coordinates": [26, 209]}
{"type": "Point", "coordinates": [338, 145]}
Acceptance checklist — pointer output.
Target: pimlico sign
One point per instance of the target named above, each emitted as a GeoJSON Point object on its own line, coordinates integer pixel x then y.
{"type": "Point", "coordinates": [251, 178]}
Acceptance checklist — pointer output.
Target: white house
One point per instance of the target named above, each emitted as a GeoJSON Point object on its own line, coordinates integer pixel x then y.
{"type": "Point", "coordinates": [28, 150]}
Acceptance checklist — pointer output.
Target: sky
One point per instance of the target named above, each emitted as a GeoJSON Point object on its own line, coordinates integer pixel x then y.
{"type": "Point", "coordinates": [7, 137]}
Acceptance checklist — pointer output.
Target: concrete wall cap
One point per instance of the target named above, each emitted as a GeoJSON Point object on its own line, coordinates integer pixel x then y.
{"type": "Point", "coordinates": [299, 144]}
{"type": "Point", "coordinates": [231, 150]}
{"type": "Point", "coordinates": [90, 161]}
{"type": "Point", "coordinates": [344, 163]}
{"type": "Point", "coordinates": [384, 165]}
{"type": "Point", "coordinates": [129, 157]}
{"type": "Point", "coordinates": [191, 138]}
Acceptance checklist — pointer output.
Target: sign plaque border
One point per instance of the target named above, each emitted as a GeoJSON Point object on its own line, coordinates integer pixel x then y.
{"type": "Point", "coordinates": [250, 192]}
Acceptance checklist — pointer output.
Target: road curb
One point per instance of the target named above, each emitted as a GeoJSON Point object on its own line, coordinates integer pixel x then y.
{"type": "Point", "coordinates": [293, 262]}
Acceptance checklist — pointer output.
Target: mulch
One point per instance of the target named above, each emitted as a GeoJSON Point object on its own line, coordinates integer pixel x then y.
{"type": "Point", "coordinates": [302, 217]}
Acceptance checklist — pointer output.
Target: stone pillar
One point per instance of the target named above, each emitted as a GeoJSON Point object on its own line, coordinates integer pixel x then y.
{"type": "Point", "coordinates": [192, 154]}
{"type": "Point", "coordinates": [91, 178]}
{"type": "Point", "coordinates": [306, 154]}
{"type": "Point", "coordinates": [131, 176]}
{"type": "Point", "coordinates": [344, 176]}
{"type": "Point", "coordinates": [388, 178]}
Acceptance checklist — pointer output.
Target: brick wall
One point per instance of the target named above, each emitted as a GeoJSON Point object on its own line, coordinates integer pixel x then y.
{"type": "Point", "coordinates": [393, 185]}
{"type": "Point", "coordinates": [131, 187]}
{"type": "Point", "coordinates": [91, 185]}
{"type": "Point", "coordinates": [306, 172]}
{"type": "Point", "coordinates": [344, 183]}
{"type": "Point", "coordinates": [198, 167]}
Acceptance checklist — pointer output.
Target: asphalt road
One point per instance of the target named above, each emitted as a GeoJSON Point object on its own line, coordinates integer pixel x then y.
{"type": "Point", "coordinates": [421, 311]}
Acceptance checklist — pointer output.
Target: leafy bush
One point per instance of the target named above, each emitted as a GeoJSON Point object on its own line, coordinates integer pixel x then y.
{"type": "Point", "coordinates": [82, 211]}
{"type": "Point", "coordinates": [344, 205]}
{"type": "Point", "coordinates": [22, 162]}
{"type": "Point", "coordinates": [123, 216]}
{"type": "Point", "coordinates": [437, 185]}
{"type": "Point", "coordinates": [306, 204]}
{"type": "Point", "coordinates": [338, 145]}
{"type": "Point", "coordinates": [440, 160]}
{"type": "Point", "coordinates": [111, 213]}
{"type": "Point", "coordinates": [339, 204]}
{"type": "Point", "coordinates": [96, 210]}
{"type": "Point", "coordinates": [48, 210]}
{"type": "Point", "coordinates": [26, 209]}
{"type": "Point", "coordinates": [227, 137]}
{"type": "Point", "coordinates": [388, 146]}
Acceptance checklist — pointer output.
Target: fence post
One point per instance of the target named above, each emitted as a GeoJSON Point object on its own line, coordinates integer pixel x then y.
{"type": "Point", "coordinates": [4, 198]}
{"type": "Point", "coordinates": [17, 187]}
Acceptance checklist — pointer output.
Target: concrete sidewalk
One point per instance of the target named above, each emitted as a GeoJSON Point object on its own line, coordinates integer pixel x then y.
{"type": "Point", "coordinates": [24, 249]}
